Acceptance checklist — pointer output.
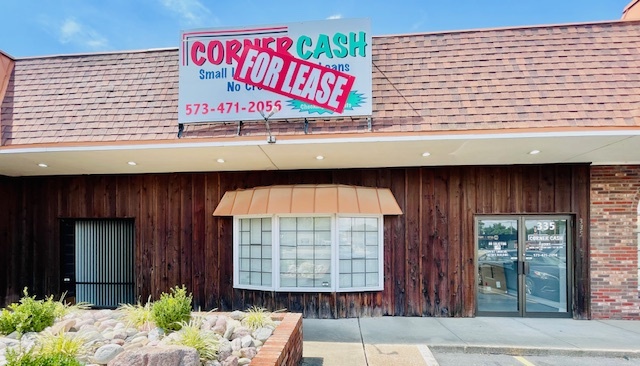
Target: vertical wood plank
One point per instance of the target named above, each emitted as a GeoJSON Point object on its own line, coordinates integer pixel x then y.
{"type": "Point", "coordinates": [198, 232]}
{"type": "Point", "coordinates": [428, 219]}
{"type": "Point", "coordinates": [173, 251]}
{"type": "Point", "coordinates": [413, 247]}
{"type": "Point", "coordinates": [580, 205]}
{"type": "Point", "coordinates": [441, 244]}
{"type": "Point", "coordinates": [469, 193]}
{"type": "Point", "coordinates": [455, 265]}
{"type": "Point", "coordinates": [186, 232]}
{"type": "Point", "coordinates": [398, 254]}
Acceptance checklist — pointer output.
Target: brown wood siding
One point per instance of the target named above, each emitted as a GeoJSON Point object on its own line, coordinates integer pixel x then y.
{"type": "Point", "coordinates": [429, 250]}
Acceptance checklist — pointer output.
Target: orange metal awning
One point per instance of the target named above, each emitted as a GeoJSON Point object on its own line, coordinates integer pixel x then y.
{"type": "Point", "coordinates": [308, 199]}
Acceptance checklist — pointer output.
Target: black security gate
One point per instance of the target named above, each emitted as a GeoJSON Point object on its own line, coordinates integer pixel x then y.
{"type": "Point", "coordinates": [97, 261]}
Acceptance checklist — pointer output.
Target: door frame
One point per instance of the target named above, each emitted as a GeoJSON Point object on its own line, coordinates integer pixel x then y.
{"type": "Point", "coordinates": [521, 290]}
{"type": "Point", "coordinates": [68, 260]}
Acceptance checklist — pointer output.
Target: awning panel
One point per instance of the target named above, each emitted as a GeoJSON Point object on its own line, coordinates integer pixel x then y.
{"type": "Point", "coordinates": [308, 199]}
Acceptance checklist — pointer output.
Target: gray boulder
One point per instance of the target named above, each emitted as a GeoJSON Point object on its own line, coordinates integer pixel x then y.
{"type": "Point", "coordinates": [107, 353]}
{"type": "Point", "coordinates": [158, 356]}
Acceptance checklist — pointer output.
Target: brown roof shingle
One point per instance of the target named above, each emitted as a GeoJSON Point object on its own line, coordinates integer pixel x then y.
{"type": "Point", "coordinates": [568, 76]}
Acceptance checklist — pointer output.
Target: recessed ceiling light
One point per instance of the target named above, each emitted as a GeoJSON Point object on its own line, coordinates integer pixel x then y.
{"type": "Point", "coordinates": [132, 163]}
{"type": "Point", "coordinates": [319, 157]}
{"type": "Point", "coordinates": [426, 153]}
{"type": "Point", "coordinates": [43, 165]}
{"type": "Point", "coordinates": [220, 160]}
{"type": "Point", "coordinates": [534, 152]}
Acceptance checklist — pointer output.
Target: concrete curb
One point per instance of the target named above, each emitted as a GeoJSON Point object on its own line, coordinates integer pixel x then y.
{"type": "Point", "coordinates": [535, 351]}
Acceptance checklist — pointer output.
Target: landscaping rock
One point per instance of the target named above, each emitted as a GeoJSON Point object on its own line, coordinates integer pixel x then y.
{"type": "Point", "coordinates": [262, 334]}
{"type": "Point", "coordinates": [158, 356]}
{"type": "Point", "coordinates": [107, 353]}
{"type": "Point", "coordinates": [249, 352]}
{"type": "Point", "coordinates": [230, 361]}
{"type": "Point", "coordinates": [156, 334]}
{"type": "Point", "coordinates": [237, 315]}
{"type": "Point", "coordinates": [63, 326]}
{"type": "Point", "coordinates": [107, 338]}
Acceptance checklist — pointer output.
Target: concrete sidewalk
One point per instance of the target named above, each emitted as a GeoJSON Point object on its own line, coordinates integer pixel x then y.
{"type": "Point", "coordinates": [409, 341]}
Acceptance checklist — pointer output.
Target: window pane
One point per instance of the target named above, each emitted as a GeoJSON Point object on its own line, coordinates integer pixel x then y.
{"type": "Point", "coordinates": [345, 266]}
{"type": "Point", "coordinates": [288, 281]}
{"type": "Point", "coordinates": [266, 279]}
{"type": "Point", "coordinates": [266, 251]}
{"type": "Point", "coordinates": [244, 278]}
{"type": "Point", "coordinates": [288, 266]}
{"type": "Point", "coordinates": [323, 238]}
{"type": "Point", "coordinates": [357, 238]}
{"type": "Point", "coordinates": [288, 238]}
{"type": "Point", "coordinates": [323, 252]}
{"type": "Point", "coordinates": [372, 266]}
{"type": "Point", "coordinates": [244, 265]}
{"type": "Point", "coordinates": [371, 251]}
{"type": "Point", "coordinates": [244, 251]}
{"type": "Point", "coordinates": [345, 280]}
{"type": "Point", "coordinates": [256, 265]}
{"type": "Point", "coordinates": [305, 238]}
{"type": "Point", "coordinates": [305, 223]}
{"type": "Point", "coordinates": [345, 252]}
{"type": "Point", "coordinates": [266, 263]}
{"type": "Point", "coordinates": [288, 252]}
{"type": "Point", "coordinates": [256, 251]}
{"type": "Point", "coordinates": [358, 280]}
{"type": "Point", "coordinates": [371, 224]}
{"type": "Point", "coordinates": [322, 224]}
{"type": "Point", "coordinates": [358, 265]}
{"type": "Point", "coordinates": [287, 223]}
{"type": "Point", "coordinates": [373, 279]}
{"type": "Point", "coordinates": [323, 281]}
{"type": "Point", "coordinates": [371, 237]}
{"type": "Point", "coordinates": [344, 223]}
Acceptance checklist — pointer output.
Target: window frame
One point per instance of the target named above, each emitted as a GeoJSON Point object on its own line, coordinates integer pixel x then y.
{"type": "Point", "coordinates": [335, 255]}
{"type": "Point", "coordinates": [236, 252]}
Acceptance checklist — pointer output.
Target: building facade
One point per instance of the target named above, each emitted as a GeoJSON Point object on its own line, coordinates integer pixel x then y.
{"type": "Point", "coordinates": [498, 174]}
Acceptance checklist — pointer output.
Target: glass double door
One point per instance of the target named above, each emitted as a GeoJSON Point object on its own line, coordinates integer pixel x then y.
{"type": "Point", "coordinates": [522, 265]}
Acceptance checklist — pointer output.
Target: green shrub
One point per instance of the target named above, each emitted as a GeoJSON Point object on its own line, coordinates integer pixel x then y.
{"type": "Point", "coordinates": [204, 341]}
{"type": "Point", "coordinates": [30, 358]}
{"type": "Point", "coordinates": [30, 315]}
{"type": "Point", "coordinates": [65, 344]}
{"type": "Point", "coordinates": [257, 318]}
{"type": "Point", "coordinates": [172, 309]}
{"type": "Point", "coordinates": [137, 316]}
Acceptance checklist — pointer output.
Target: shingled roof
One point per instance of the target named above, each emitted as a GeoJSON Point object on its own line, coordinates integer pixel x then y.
{"type": "Point", "coordinates": [560, 76]}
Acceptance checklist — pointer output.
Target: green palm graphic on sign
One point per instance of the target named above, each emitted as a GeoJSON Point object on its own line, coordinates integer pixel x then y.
{"type": "Point", "coordinates": [354, 100]}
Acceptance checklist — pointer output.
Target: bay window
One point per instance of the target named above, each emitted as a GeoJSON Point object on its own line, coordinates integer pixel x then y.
{"type": "Point", "coordinates": [323, 253]}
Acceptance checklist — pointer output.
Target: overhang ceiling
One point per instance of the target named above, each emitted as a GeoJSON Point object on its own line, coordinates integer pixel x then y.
{"type": "Point", "coordinates": [295, 152]}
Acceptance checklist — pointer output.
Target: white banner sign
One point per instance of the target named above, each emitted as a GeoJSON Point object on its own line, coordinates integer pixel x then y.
{"type": "Point", "coordinates": [209, 60]}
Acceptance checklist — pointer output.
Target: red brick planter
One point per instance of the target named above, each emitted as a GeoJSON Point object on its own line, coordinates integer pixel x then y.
{"type": "Point", "coordinates": [284, 347]}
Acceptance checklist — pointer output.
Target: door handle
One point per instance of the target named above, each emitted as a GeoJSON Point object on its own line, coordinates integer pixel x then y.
{"type": "Point", "coordinates": [523, 267]}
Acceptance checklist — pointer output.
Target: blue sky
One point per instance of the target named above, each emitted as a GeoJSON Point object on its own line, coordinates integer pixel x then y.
{"type": "Point", "coordinates": [44, 27]}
